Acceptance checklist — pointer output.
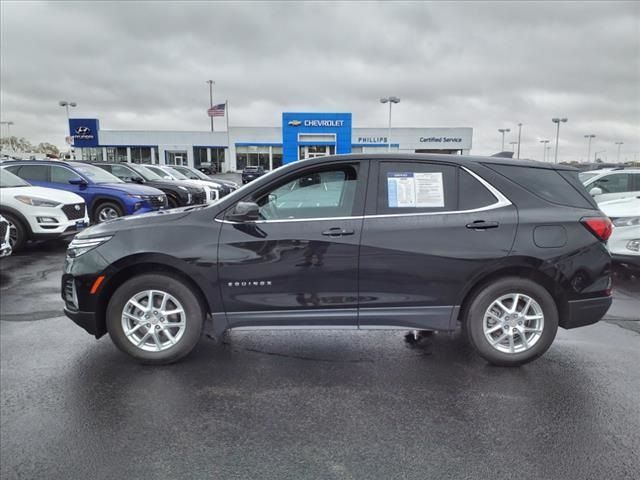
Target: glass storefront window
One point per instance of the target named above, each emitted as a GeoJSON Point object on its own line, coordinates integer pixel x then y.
{"type": "Point", "coordinates": [92, 154]}
{"type": "Point", "coordinates": [111, 154]}
{"type": "Point", "coordinates": [140, 154]}
{"type": "Point", "coordinates": [121, 154]}
{"type": "Point", "coordinates": [252, 155]}
{"type": "Point", "coordinates": [277, 156]}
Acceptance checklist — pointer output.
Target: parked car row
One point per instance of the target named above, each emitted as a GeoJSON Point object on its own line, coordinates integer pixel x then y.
{"type": "Point", "coordinates": [67, 196]}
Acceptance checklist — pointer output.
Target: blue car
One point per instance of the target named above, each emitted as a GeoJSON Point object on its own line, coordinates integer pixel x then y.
{"type": "Point", "coordinates": [105, 195]}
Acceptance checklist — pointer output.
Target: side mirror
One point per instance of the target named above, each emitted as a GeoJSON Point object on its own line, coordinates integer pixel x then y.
{"type": "Point", "coordinates": [595, 191]}
{"type": "Point", "coordinates": [137, 179]}
{"type": "Point", "coordinates": [78, 181]}
{"type": "Point", "coordinates": [244, 212]}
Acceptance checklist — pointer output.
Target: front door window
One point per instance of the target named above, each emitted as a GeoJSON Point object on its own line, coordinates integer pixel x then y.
{"type": "Point", "coordinates": [328, 193]}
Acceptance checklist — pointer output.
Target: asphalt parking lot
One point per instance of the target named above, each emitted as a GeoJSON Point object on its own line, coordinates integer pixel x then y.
{"type": "Point", "coordinates": [298, 405]}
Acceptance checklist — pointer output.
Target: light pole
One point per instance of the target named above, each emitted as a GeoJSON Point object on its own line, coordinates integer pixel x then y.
{"type": "Point", "coordinates": [557, 121]}
{"type": "Point", "coordinates": [513, 146]}
{"type": "Point", "coordinates": [8, 124]}
{"type": "Point", "coordinates": [66, 104]}
{"type": "Point", "coordinates": [390, 101]}
{"type": "Point", "coordinates": [503, 131]}
{"type": "Point", "coordinates": [590, 136]}
{"type": "Point", "coordinates": [619, 146]}
{"type": "Point", "coordinates": [519, 134]}
{"type": "Point", "coordinates": [595, 155]}
{"type": "Point", "coordinates": [544, 149]}
{"type": "Point", "coordinates": [211, 83]}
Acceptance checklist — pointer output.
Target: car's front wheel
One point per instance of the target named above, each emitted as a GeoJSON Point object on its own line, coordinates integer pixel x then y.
{"type": "Point", "coordinates": [155, 318]}
{"type": "Point", "coordinates": [107, 211]}
{"type": "Point", "coordinates": [18, 235]}
{"type": "Point", "coordinates": [511, 321]}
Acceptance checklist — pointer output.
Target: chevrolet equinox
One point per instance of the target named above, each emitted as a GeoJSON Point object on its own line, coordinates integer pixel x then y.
{"type": "Point", "coordinates": [508, 249]}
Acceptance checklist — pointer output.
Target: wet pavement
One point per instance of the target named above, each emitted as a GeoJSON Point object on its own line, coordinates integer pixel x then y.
{"type": "Point", "coordinates": [298, 405]}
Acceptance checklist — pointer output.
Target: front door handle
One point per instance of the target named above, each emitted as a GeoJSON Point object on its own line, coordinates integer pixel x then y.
{"type": "Point", "coordinates": [337, 232]}
{"type": "Point", "coordinates": [482, 225]}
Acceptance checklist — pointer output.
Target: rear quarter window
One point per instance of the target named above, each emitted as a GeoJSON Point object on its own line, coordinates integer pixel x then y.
{"type": "Point", "coordinates": [550, 185]}
{"type": "Point", "coordinates": [472, 194]}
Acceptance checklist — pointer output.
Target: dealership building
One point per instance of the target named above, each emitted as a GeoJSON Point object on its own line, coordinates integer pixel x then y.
{"type": "Point", "coordinates": [302, 135]}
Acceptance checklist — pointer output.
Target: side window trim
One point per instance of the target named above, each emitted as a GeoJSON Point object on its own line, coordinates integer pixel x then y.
{"type": "Point", "coordinates": [501, 202]}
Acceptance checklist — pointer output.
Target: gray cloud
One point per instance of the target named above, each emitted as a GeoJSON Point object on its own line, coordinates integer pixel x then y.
{"type": "Point", "coordinates": [485, 65]}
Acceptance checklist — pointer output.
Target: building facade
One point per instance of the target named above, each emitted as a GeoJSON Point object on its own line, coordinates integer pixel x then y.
{"type": "Point", "coordinates": [301, 135]}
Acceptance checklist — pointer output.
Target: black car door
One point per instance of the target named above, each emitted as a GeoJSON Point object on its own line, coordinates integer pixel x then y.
{"type": "Point", "coordinates": [429, 229]}
{"type": "Point", "coordinates": [297, 265]}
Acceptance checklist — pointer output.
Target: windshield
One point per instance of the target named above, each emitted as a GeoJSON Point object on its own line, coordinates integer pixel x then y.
{"type": "Point", "coordinates": [584, 176]}
{"type": "Point", "coordinates": [96, 174]}
{"type": "Point", "coordinates": [175, 173]}
{"type": "Point", "coordinates": [9, 180]}
{"type": "Point", "coordinates": [146, 172]}
{"type": "Point", "coordinates": [193, 174]}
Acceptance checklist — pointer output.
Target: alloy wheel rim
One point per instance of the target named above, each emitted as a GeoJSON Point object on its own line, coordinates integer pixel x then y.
{"type": "Point", "coordinates": [513, 323]}
{"type": "Point", "coordinates": [153, 320]}
{"type": "Point", "coordinates": [13, 235]}
{"type": "Point", "coordinates": [107, 213]}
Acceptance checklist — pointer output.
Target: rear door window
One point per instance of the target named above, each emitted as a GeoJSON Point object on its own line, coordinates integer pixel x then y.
{"type": "Point", "coordinates": [414, 187]}
{"type": "Point", "coordinates": [36, 173]}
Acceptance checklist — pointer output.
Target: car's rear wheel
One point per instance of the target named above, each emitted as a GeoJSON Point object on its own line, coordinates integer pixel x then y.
{"type": "Point", "coordinates": [107, 211]}
{"type": "Point", "coordinates": [17, 232]}
{"type": "Point", "coordinates": [511, 321]}
{"type": "Point", "coordinates": [155, 318]}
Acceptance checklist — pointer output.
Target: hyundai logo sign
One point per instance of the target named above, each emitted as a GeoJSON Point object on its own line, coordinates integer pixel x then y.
{"type": "Point", "coordinates": [83, 133]}
{"type": "Point", "coordinates": [294, 123]}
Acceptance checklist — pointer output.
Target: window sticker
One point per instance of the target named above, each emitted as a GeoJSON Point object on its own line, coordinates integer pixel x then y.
{"type": "Point", "coordinates": [415, 189]}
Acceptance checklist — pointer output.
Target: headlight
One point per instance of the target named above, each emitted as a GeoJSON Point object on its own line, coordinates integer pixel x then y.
{"type": "Point", "coordinates": [80, 246]}
{"type": "Point", "coordinates": [626, 221]}
{"type": "Point", "coordinates": [36, 202]}
{"type": "Point", "coordinates": [137, 197]}
{"type": "Point", "coordinates": [634, 245]}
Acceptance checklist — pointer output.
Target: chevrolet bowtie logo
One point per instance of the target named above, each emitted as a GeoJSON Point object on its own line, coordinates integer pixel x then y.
{"type": "Point", "coordinates": [294, 123]}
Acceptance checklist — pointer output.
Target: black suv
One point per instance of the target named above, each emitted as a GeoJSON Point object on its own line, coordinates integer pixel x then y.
{"type": "Point", "coordinates": [251, 173]}
{"type": "Point", "coordinates": [509, 249]}
{"type": "Point", "coordinates": [178, 193]}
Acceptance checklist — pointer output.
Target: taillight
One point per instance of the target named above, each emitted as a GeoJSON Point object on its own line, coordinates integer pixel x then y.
{"type": "Point", "coordinates": [601, 227]}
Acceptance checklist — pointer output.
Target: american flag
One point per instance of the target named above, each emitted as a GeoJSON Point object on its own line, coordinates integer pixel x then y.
{"type": "Point", "coordinates": [217, 110]}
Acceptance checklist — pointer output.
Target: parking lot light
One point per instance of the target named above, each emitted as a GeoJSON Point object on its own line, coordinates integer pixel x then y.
{"type": "Point", "coordinates": [503, 131]}
{"type": "Point", "coordinates": [557, 121]}
{"type": "Point", "coordinates": [544, 149]}
{"type": "Point", "coordinates": [390, 101]}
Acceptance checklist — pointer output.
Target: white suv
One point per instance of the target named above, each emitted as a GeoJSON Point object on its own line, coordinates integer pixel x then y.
{"type": "Point", "coordinates": [36, 213]}
{"type": "Point", "coordinates": [606, 185]}
{"type": "Point", "coordinates": [624, 242]}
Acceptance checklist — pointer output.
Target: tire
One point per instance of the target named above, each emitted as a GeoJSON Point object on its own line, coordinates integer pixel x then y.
{"type": "Point", "coordinates": [108, 210]}
{"type": "Point", "coordinates": [157, 349]}
{"type": "Point", "coordinates": [18, 233]}
{"type": "Point", "coordinates": [538, 333]}
{"type": "Point", "coordinates": [173, 203]}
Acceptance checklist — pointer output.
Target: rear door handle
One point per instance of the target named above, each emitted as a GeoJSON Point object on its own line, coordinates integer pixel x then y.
{"type": "Point", "coordinates": [337, 232]}
{"type": "Point", "coordinates": [482, 225]}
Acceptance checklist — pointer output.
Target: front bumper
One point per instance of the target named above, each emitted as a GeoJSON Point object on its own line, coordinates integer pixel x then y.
{"type": "Point", "coordinates": [586, 312]}
{"type": "Point", "coordinates": [86, 320]}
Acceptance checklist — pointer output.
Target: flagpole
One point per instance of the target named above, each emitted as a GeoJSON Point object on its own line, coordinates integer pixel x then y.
{"type": "Point", "coordinates": [211, 82]}
{"type": "Point", "coordinates": [226, 112]}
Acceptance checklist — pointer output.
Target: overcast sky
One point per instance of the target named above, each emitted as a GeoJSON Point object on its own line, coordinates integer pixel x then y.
{"type": "Point", "coordinates": [144, 65]}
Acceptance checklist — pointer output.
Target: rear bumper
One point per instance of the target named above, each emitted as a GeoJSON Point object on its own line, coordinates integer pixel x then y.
{"type": "Point", "coordinates": [586, 312]}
